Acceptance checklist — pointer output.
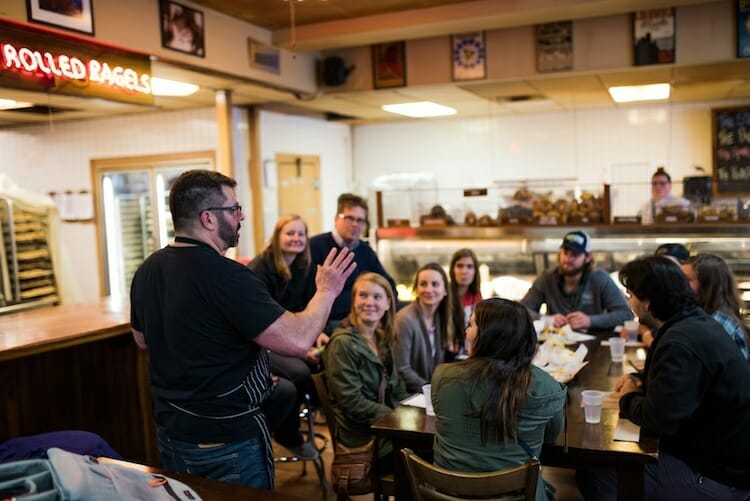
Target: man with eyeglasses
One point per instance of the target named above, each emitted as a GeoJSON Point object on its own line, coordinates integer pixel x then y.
{"type": "Point", "coordinates": [661, 197]}
{"type": "Point", "coordinates": [348, 226]}
{"type": "Point", "coordinates": [207, 322]}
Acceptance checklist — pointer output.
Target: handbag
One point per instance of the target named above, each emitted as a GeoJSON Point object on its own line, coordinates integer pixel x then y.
{"type": "Point", "coordinates": [352, 469]}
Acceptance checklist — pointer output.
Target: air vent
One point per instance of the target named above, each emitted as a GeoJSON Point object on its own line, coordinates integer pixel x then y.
{"type": "Point", "coordinates": [42, 110]}
{"type": "Point", "coordinates": [520, 98]}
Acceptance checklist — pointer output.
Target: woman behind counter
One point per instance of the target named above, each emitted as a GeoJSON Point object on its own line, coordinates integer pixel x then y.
{"type": "Point", "coordinates": [493, 407]}
{"type": "Point", "coordinates": [424, 328]}
{"type": "Point", "coordinates": [661, 197]}
{"type": "Point", "coordinates": [362, 379]}
{"type": "Point", "coordinates": [465, 293]}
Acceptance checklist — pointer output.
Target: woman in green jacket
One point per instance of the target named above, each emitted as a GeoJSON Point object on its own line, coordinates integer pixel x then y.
{"type": "Point", "coordinates": [362, 379]}
{"type": "Point", "coordinates": [495, 409]}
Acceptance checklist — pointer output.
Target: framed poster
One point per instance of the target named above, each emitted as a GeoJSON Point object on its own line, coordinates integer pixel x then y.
{"type": "Point", "coordinates": [469, 56]}
{"type": "Point", "coordinates": [389, 65]}
{"type": "Point", "coordinates": [743, 28]}
{"type": "Point", "coordinates": [74, 15]}
{"type": "Point", "coordinates": [554, 46]}
{"type": "Point", "coordinates": [182, 28]}
{"type": "Point", "coordinates": [653, 33]}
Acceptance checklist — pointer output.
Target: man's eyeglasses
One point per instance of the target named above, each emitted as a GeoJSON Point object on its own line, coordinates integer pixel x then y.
{"type": "Point", "coordinates": [659, 183]}
{"type": "Point", "coordinates": [352, 219]}
{"type": "Point", "coordinates": [234, 209]}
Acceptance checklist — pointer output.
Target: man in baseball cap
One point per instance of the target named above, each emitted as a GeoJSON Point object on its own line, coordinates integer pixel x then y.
{"type": "Point", "coordinates": [575, 292]}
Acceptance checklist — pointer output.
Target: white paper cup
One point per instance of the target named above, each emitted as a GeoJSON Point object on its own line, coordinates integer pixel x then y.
{"type": "Point", "coordinates": [617, 348]}
{"type": "Point", "coordinates": [427, 391]}
{"type": "Point", "coordinates": [592, 405]}
{"type": "Point", "coordinates": [631, 328]}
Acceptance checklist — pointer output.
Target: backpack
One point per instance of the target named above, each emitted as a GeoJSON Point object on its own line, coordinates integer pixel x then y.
{"type": "Point", "coordinates": [68, 476]}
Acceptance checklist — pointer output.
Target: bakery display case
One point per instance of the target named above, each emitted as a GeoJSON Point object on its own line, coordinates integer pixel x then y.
{"type": "Point", "coordinates": [512, 256]}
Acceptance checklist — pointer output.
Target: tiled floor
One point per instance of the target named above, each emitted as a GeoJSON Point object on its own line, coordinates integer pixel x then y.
{"type": "Point", "coordinates": [290, 480]}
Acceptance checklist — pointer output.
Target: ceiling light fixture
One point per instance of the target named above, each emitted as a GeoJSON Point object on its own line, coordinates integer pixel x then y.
{"type": "Point", "coordinates": [164, 87]}
{"type": "Point", "coordinates": [10, 104]}
{"type": "Point", "coordinates": [420, 109]}
{"type": "Point", "coordinates": [631, 93]}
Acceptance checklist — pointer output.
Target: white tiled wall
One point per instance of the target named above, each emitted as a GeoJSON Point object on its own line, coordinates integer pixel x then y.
{"type": "Point", "coordinates": [56, 157]}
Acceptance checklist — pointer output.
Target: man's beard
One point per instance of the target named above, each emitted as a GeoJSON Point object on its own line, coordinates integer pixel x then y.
{"type": "Point", "coordinates": [229, 235]}
{"type": "Point", "coordinates": [572, 272]}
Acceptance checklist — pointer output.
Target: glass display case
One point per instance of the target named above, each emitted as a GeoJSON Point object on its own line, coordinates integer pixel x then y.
{"type": "Point", "coordinates": [512, 256]}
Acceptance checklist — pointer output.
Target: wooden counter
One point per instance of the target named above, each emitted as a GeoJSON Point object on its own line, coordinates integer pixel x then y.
{"type": "Point", "coordinates": [77, 367]}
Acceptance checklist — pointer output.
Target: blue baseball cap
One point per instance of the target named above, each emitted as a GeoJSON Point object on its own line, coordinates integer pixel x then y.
{"type": "Point", "coordinates": [577, 241]}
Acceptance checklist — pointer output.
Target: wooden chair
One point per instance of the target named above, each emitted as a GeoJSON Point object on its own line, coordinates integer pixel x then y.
{"type": "Point", "coordinates": [430, 482]}
{"type": "Point", "coordinates": [384, 484]}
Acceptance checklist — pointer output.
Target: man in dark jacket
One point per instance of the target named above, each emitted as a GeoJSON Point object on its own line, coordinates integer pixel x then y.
{"type": "Point", "coordinates": [694, 392]}
{"type": "Point", "coordinates": [348, 226]}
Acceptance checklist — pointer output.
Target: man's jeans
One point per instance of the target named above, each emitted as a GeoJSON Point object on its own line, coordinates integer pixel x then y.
{"type": "Point", "coordinates": [237, 463]}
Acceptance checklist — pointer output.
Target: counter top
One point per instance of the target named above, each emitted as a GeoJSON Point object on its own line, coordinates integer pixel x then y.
{"type": "Point", "coordinates": [45, 329]}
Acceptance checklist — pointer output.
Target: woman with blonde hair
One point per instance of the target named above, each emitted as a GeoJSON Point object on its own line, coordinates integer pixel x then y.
{"type": "Point", "coordinates": [425, 328]}
{"type": "Point", "coordinates": [362, 379]}
{"type": "Point", "coordinates": [284, 267]}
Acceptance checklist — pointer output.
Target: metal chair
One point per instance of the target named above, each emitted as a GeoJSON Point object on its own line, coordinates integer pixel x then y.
{"type": "Point", "coordinates": [384, 483]}
{"type": "Point", "coordinates": [430, 482]}
{"type": "Point", "coordinates": [317, 440]}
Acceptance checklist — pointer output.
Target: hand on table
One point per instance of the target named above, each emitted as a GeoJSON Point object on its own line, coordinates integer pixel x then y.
{"type": "Point", "coordinates": [578, 320]}
{"type": "Point", "coordinates": [627, 384]}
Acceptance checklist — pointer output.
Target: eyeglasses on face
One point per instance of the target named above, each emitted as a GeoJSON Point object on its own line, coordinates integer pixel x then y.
{"type": "Point", "coordinates": [659, 183]}
{"type": "Point", "coordinates": [352, 219]}
{"type": "Point", "coordinates": [234, 209]}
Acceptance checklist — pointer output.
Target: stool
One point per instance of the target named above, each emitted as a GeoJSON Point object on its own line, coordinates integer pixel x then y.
{"type": "Point", "coordinates": [313, 438]}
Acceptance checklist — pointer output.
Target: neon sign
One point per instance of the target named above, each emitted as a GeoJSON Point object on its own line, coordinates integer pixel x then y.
{"type": "Point", "coordinates": [37, 62]}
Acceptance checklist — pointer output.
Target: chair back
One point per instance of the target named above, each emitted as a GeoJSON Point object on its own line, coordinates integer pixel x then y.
{"type": "Point", "coordinates": [430, 482]}
{"type": "Point", "coordinates": [321, 387]}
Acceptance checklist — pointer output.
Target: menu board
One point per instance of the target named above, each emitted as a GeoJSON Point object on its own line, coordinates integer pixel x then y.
{"type": "Point", "coordinates": [731, 149]}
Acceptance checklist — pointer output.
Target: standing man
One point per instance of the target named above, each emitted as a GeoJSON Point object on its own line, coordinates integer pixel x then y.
{"type": "Point", "coordinates": [577, 294]}
{"type": "Point", "coordinates": [661, 197]}
{"type": "Point", "coordinates": [205, 321]}
{"type": "Point", "coordinates": [694, 393]}
{"type": "Point", "coordinates": [349, 224]}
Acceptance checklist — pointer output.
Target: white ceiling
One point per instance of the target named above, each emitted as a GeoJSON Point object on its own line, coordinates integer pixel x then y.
{"type": "Point", "coordinates": [326, 24]}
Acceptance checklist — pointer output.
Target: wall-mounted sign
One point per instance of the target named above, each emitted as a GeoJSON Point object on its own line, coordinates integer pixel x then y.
{"type": "Point", "coordinates": [469, 56]}
{"type": "Point", "coordinates": [41, 61]}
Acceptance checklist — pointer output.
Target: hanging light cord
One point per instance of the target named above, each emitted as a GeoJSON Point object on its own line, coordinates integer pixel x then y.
{"type": "Point", "coordinates": [292, 29]}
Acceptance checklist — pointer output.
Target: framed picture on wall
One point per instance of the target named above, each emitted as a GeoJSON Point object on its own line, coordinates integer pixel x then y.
{"type": "Point", "coordinates": [469, 56]}
{"type": "Point", "coordinates": [74, 15]}
{"type": "Point", "coordinates": [743, 28]}
{"type": "Point", "coordinates": [182, 28]}
{"type": "Point", "coordinates": [554, 46]}
{"type": "Point", "coordinates": [389, 65]}
{"type": "Point", "coordinates": [653, 33]}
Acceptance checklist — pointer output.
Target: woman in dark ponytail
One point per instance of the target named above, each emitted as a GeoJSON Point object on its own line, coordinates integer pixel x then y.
{"type": "Point", "coordinates": [495, 409]}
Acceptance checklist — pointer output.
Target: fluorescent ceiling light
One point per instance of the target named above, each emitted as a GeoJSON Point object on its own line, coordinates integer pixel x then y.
{"type": "Point", "coordinates": [420, 109]}
{"type": "Point", "coordinates": [630, 93]}
{"type": "Point", "coordinates": [10, 104]}
{"type": "Point", "coordinates": [164, 87]}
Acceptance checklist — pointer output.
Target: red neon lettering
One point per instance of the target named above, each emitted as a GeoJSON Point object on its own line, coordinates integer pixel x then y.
{"type": "Point", "coordinates": [77, 68]}
{"type": "Point", "coordinates": [10, 57]}
{"type": "Point", "coordinates": [27, 59]}
{"type": "Point", "coordinates": [52, 64]}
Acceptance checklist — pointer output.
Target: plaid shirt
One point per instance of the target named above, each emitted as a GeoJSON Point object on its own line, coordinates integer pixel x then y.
{"type": "Point", "coordinates": [734, 329]}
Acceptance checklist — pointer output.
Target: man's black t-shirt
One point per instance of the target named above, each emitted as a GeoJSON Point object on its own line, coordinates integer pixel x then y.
{"type": "Point", "coordinates": [199, 313]}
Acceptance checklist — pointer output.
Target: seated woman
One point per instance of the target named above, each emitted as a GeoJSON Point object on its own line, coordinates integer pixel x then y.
{"type": "Point", "coordinates": [362, 379]}
{"type": "Point", "coordinates": [284, 267]}
{"type": "Point", "coordinates": [465, 293]}
{"type": "Point", "coordinates": [495, 409]}
{"type": "Point", "coordinates": [424, 329]}
{"type": "Point", "coordinates": [713, 283]}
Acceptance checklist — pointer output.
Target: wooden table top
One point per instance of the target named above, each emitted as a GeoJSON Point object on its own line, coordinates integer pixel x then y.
{"type": "Point", "coordinates": [45, 329]}
{"type": "Point", "coordinates": [592, 440]}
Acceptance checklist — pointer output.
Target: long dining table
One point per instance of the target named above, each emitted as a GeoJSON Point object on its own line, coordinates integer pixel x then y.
{"type": "Point", "coordinates": [580, 445]}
